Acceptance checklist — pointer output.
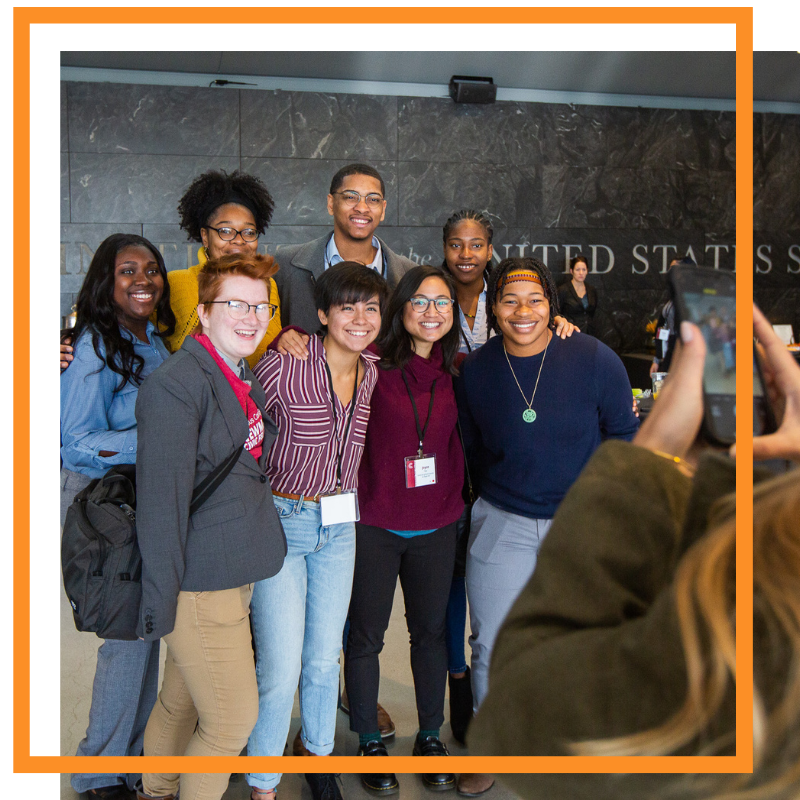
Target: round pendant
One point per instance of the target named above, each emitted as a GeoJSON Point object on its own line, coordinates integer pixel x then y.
{"type": "Point", "coordinates": [529, 415]}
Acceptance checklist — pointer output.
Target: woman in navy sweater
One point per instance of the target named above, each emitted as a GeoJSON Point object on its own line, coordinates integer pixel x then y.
{"type": "Point", "coordinates": [533, 409]}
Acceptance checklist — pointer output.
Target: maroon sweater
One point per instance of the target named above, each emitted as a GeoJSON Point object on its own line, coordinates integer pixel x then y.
{"type": "Point", "coordinates": [383, 498]}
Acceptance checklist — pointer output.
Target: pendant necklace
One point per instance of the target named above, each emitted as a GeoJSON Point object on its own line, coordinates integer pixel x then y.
{"type": "Point", "coordinates": [529, 415]}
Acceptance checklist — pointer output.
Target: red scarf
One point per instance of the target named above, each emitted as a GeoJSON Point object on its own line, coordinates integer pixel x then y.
{"type": "Point", "coordinates": [242, 391]}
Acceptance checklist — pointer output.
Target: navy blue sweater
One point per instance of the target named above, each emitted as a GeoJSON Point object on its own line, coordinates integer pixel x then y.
{"type": "Point", "coordinates": [584, 397]}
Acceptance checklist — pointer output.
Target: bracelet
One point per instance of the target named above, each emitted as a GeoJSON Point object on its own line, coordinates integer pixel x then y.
{"type": "Point", "coordinates": [686, 468]}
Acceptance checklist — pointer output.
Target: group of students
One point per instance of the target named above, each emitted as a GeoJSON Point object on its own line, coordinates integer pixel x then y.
{"type": "Point", "coordinates": [368, 422]}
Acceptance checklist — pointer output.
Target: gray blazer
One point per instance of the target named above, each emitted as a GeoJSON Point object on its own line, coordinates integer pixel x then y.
{"type": "Point", "coordinates": [189, 421]}
{"type": "Point", "coordinates": [301, 265]}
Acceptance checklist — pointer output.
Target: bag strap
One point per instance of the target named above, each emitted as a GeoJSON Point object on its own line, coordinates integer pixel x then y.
{"type": "Point", "coordinates": [212, 481]}
{"type": "Point", "coordinates": [466, 463]}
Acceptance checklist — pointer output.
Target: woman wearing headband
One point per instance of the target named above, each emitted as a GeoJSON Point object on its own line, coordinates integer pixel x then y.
{"type": "Point", "coordinates": [533, 409]}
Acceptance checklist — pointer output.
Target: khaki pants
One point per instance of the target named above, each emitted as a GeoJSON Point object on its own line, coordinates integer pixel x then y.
{"type": "Point", "coordinates": [209, 699]}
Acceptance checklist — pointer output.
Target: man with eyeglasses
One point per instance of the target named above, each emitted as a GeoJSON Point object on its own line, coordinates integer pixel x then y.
{"type": "Point", "coordinates": [357, 203]}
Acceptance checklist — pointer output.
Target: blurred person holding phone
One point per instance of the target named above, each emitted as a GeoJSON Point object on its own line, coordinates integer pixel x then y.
{"type": "Point", "coordinates": [644, 585]}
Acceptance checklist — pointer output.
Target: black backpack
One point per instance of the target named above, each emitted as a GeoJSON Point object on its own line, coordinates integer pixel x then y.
{"type": "Point", "coordinates": [100, 559]}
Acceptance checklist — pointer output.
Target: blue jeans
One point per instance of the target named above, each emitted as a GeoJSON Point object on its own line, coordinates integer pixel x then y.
{"type": "Point", "coordinates": [297, 618]}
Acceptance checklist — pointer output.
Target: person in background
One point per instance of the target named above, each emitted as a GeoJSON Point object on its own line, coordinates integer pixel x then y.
{"type": "Point", "coordinates": [666, 334]}
{"type": "Point", "coordinates": [577, 299]}
{"type": "Point", "coordinates": [116, 348]}
{"type": "Point", "coordinates": [321, 406]}
{"type": "Point", "coordinates": [227, 213]}
{"type": "Point", "coordinates": [200, 408]}
{"type": "Point", "coordinates": [647, 590]}
{"type": "Point", "coordinates": [533, 408]}
{"type": "Point", "coordinates": [467, 240]}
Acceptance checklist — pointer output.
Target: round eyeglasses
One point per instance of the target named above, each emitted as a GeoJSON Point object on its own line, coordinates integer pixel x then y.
{"type": "Point", "coordinates": [351, 198]}
{"type": "Point", "coordinates": [421, 304]}
{"type": "Point", "coordinates": [238, 309]}
{"type": "Point", "coordinates": [229, 234]}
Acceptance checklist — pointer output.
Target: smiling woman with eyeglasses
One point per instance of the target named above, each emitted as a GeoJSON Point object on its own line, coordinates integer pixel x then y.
{"type": "Point", "coordinates": [409, 491]}
{"type": "Point", "coordinates": [202, 409]}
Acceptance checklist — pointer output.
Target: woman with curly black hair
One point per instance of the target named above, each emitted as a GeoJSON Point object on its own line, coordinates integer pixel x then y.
{"type": "Point", "coordinates": [116, 347]}
{"type": "Point", "coordinates": [227, 213]}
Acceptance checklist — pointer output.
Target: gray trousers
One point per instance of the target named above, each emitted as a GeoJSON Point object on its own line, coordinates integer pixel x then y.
{"type": "Point", "coordinates": [124, 689]}
{"type": "Point", "coordinates": [501, 557]}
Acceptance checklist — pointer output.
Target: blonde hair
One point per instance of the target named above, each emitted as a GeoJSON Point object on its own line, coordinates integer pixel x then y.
{"type": "Point", "coordinates": [705, 602]}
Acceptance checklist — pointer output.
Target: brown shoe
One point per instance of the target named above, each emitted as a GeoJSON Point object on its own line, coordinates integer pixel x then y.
{"type": "Point", "coordinates": [298, 748]}
{"type": "Point", "coordinates": [385, 724]}
{"type": "Point", "coordinates": [474, 784]}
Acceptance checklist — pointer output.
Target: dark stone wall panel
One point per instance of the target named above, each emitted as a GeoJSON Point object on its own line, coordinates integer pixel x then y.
{"type": "Point", "coordinates": [781, 306]}
{"type": "Point", "coordinates": [64, 118]}
{"type": "Point", "coordinates": [575, 135]}
{"type": "Point", "coordinates": [709, 200]}
{"type": "Point", "coordinates": [128, 118]}
{"type": "Point", "coordinates": [65, 209]}
{"type": "Point", "coordinates": [314, 125]}
{"type": "Point", "coordinates": [777, 260]}
{"type": "Point", "coordinates": [641, 138]}
{"type": "Point", "coordinates": [434, 129]}
{"type": "Point", "coordinates": [622, 317]}
{"type": "Point", "coordinates": [431, 191]}
{"type": "Point", "coordinates": [776, 200]}
{"type": "Point", "coordinates": [145, 188]}
{"type": "Point", "coordinates": [707, 140]}
{"type": "Point", "coordinates": [574, 197]}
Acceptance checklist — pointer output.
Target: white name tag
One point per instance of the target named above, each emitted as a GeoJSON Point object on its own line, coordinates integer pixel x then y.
{"type": "Point", "coordinates": [420, 471]}
{"type": "Point", "coordinates": [338, 508]}
{"type": "Point", "coordinates": [663, 334]}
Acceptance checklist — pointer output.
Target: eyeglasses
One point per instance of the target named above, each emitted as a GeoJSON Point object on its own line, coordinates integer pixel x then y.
{"type": "Point", "coordinates": [351, 198]}
{"type": "Point", "coordinates": [229, 234]}
{"type": "Point", "coordinates": [238, 309]}
{"type": "Point", "coordinates": [421, 304]}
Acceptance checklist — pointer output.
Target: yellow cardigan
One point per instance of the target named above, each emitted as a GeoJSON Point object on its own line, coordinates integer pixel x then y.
{"type": "Point", "coordinates": [183, 300]}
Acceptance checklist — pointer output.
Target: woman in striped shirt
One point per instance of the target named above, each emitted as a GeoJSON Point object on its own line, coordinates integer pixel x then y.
{"type": "Point", "coordinates": [321, 407]}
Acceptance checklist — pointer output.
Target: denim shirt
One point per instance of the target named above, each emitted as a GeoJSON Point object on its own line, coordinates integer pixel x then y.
{"type": "Point", "coordinates": [93, 417]}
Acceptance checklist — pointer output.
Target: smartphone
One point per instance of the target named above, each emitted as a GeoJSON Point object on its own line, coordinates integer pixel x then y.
{"type": "Point", "coordinates": [707, 297]}
{"type": "Point", "coordinates": [763, 415]}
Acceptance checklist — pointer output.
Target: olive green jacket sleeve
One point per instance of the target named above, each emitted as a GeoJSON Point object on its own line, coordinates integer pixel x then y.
{"type": "Point", "coordinates": [591, 649]}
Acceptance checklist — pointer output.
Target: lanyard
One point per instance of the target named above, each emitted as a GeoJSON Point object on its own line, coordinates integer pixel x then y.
{"type": "Point", "coordinates": [343, 441]}
{"type": "Point", "coordinates": [420, 431]}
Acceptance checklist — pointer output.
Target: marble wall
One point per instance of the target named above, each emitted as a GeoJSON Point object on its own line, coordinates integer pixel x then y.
{"type": "Point", "coordinates": [629, 186]}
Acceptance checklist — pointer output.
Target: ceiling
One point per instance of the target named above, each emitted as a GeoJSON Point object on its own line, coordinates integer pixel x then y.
{"type": "Point", "coordinates": [676, 74]}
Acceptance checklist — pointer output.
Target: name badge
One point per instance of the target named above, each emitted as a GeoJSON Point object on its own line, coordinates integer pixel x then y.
{"type": "Point", "coordinates": [420, 471]}
{"type": "Point", "coordinates": [338, 508]}
{"type": "Point", "coordinates": [662, 334]}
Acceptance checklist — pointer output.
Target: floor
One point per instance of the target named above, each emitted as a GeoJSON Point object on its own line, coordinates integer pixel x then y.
{"type": "Point", "coordinates": [397, 695]}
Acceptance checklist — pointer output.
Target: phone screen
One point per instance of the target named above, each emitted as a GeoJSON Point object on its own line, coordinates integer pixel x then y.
{"type": "Point", "coordinates": [715, 314]}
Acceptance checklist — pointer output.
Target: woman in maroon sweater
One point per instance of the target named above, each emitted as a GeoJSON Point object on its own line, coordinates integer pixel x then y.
{"type": "Point", "coordinates": [409, 491]}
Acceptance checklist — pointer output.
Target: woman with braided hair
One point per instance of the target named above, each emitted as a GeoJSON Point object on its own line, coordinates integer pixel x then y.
{"type": "Point", "coordinates": [533, 408]}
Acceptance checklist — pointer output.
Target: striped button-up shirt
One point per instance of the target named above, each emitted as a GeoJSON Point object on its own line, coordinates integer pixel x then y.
{"type": "Point", "coordinates": [304, 456]}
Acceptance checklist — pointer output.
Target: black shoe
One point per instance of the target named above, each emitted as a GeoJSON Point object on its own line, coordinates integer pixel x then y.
{"type": "Point", "coordinates": [117, 791]}
{"type": "Point", "coordinates": [431, 746]}
{"type": "Point", "coordinates": [324, 786]}
{"type": "Point", "coordinates": [460, 705]}
{"type": "Point", "coordinates": [380, 785]}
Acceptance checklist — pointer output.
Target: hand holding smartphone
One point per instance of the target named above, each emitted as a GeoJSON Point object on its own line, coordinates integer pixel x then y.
{"type": "Point", "coordinates": [707, 297]}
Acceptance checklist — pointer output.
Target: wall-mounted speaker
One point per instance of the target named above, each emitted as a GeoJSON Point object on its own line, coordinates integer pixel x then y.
{"type": "Point", "coordinates": [466, 89]}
